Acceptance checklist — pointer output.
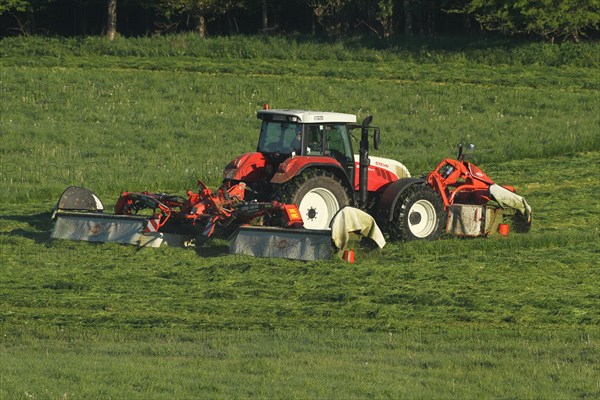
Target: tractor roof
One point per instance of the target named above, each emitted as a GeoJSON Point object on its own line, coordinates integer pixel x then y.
{"type": "Point", "coordinates": [311, 116]}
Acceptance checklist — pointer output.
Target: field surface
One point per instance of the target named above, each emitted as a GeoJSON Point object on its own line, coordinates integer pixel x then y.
{"type": "Point", "coordinates": [515, 317]}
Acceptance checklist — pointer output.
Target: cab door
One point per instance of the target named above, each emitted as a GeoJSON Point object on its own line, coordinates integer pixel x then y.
{"type": "Point", "coordinates": [337, 144]}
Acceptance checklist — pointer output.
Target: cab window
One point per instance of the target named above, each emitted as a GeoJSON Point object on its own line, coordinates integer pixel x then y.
{"type": "Point", "coordinates": [279, 137]}
{"type": "Point", "coordinates": [337, 142]}
{"type": "Point", "coordinates": [315, 140]}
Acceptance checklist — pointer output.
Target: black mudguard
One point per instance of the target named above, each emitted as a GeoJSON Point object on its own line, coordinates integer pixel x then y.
{"type": "Point", "coordinates": [389, 198]}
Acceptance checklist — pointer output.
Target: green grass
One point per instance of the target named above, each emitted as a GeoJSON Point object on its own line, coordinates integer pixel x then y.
{"type": "Point", "coordinates": [442, 50]}
{"type": "Point", "coordinates": [493, 318]}
{"type": "Point", "coordinates": [64, 125]}
{"type": "Point", "coordinates": [514, 317]}
{"type": "Point", "coordinates": [303, 364]}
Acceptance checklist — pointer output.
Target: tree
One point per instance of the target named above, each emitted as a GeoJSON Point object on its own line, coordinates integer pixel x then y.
{"type": "Point", "coordinates": [384, 15]}
{"type": "Point", "coordinates": [199, 10]}
{"type": "Point", "coordinates": [111, 30]}
{"type": "Point", "coordinates": [14, 6]}
{"type": "Point", "coordinates": [265, 15]}
{"type": "Point", "coordinates": [265, 11]}
{"type": "Point", "coordinates": [549, 18]}
{"type": "Point", "coordinates": [331, 15]}
{"type": "Point", "coordinates": [27, 7]}
{"type": "Point", "coordinates": [379, 17]}
{"type": "Point", "coordinates": [408, 16]}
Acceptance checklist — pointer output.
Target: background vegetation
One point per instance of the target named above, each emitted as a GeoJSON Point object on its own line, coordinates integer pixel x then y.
{"type": "Point", "coordinates": [384, 19]}
{"type": "Point", "coordinates": [483, 318]}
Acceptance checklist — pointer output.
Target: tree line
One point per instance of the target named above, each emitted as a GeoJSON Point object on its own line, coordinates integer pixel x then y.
{"type": "Point", "coordinates": [549, 19]}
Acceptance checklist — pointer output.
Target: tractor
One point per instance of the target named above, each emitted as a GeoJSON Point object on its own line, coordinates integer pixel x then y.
{"type": "Point", "coordinates": [307, 158]}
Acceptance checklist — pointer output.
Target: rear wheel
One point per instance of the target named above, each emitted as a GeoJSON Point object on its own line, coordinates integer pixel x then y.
{"type": "Point", "coordinates": [318, 197]}
{"type": "Point", "coordinates": [419, 215]}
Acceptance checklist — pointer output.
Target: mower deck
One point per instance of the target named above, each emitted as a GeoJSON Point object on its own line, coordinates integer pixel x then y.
{"type": "Point", "coordinates": [99, 227]}
{"type": "Point", "coordinates": [297, 244]}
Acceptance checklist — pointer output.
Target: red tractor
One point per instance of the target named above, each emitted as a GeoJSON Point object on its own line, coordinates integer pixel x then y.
{"type": "Point", "coordinates": [307, 158]}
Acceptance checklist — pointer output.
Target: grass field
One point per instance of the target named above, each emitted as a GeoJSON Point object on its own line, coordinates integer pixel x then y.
{"type": "Point", "coordinates": [514, 317]}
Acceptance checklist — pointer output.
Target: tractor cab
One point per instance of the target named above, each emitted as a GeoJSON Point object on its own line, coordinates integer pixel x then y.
{"type": "Point", "coordinates": [298, 133]}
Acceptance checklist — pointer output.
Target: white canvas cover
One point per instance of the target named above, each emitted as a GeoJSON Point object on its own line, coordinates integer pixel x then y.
{"type": "Point", "coordinates": [466, 220]}
{"type": "Point", "coordinates": [350, 219]}
{"type": "Point", "coordinates": [508, 199]}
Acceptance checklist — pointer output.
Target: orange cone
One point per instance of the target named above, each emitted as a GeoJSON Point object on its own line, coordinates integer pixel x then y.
{"type": "Point", "coordinates": [349, 256]}
{"type": "Point", "coordinates": [503, 229]}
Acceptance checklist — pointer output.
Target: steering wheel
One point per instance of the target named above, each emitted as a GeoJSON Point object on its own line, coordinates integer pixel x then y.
{"type": "Point", "coordinates": [272, 148]}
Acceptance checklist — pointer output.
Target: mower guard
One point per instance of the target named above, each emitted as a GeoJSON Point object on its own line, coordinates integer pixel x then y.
{"type": "Point", "coordinates": [76, 198]}
{"type": "Point", "coordinates": [97, 227]}
{"type": "Point", "coordinates": [271, 242]}
{"type": "Point", "coordinates": [78, 215]}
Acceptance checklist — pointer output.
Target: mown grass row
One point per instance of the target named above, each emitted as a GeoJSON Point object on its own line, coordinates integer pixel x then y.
{"type": "Point", "coordinates": [401, 71]}
{"type": "Point", "coordinates": [457, 50]}
{"type": "Point", "coordinates": [545, 281]}
{"type": "Point", "coordinates": [329, 363]}
{"type": "Point", "coordinates": [113, 130]}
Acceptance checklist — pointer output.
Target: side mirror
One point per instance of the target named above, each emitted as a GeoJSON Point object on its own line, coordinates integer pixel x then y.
{"type": "Point", "coordinates": [467, 153]}
{"type": "Point", "coordinates": [469, 150]}
{"type": "Point", "coordinates": [376, 139]}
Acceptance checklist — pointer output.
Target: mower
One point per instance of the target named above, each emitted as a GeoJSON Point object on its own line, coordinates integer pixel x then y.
{"type": "Point", "coordinates": [303, 171]}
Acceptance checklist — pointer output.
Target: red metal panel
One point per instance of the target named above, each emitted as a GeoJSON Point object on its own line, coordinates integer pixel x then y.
{"type": "Point", "coordinates": [294, 165]}
{"type": "Point", "coordinates": [249, 167]}
{"type": "Point", "coordinates": [378, 177]}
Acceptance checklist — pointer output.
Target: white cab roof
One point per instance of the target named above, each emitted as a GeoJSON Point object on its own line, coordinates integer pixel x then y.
{"type": "Point", "coordinates": [312, 116]}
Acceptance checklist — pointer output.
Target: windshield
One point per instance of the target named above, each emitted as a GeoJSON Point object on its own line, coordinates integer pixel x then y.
{"type": "Point", "coordinates": [280, 137]}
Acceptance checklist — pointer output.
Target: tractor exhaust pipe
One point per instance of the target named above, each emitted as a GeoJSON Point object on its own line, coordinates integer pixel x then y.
{"type": "Point", "coordinates": [364, 161]}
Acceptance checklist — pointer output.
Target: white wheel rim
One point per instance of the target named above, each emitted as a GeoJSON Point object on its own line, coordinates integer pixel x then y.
{"type": "Point", "coordinates": [422, 219]}
{"type": "Point", "coordinates": [318, 208]}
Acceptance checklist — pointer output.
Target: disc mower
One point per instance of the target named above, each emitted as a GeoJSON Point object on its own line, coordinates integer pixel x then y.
{"type": "Point", "coordinates": [475, 204]}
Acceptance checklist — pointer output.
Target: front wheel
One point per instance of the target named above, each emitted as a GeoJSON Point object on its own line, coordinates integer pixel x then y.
{"type": "Point", "coordinates": [418, 215]}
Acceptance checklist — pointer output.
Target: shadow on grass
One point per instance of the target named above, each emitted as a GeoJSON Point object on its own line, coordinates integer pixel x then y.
{"type": "Point", "coordinates": [41, 223]}
{"type": "Point", "coordinates": [213, 248]}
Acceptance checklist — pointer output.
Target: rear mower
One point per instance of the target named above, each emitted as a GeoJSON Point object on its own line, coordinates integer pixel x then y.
{"type": "Point", "coordinates": [204, 211]}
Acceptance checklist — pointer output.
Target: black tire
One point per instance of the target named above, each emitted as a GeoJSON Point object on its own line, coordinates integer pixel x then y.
{"type": "Point", "coordinates": [327, 196]}
{"type": "Point", "coordinates": [418, 215]}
